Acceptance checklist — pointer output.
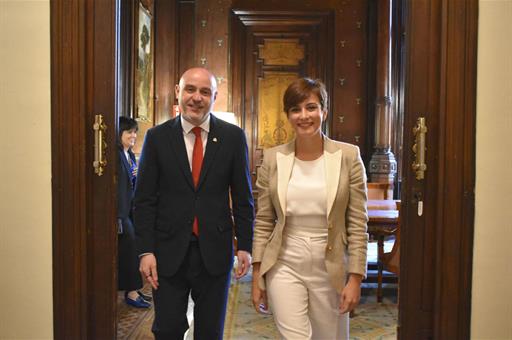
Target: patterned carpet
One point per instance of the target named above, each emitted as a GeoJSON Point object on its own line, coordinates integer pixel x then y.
{"type": "Point", "coordinates": [371, 320]}
{"type": "Point", "coordinates": [131, 320]}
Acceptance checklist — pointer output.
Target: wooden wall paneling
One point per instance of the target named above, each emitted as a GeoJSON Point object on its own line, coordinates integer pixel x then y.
{"type": "Point", "coordinates": [237, 70]}
{"type": "Point", "coordinates": [350, 95]}
{"type": "Point", "coordinates": [325, 35]}
{"type": "Point", "coordinates": [360, 98]}
{"type": "Point", "coordinates": [166, 58]}
{"type": "Point", "coordinates": [338, 96]}
{"type": "Point", "coordinates": [281, 5]}
{"type": "Point", "coordinates": [309, 66]}
{"type": "Point", "coordinates": [371, 90]}
{"type": "Point", "coordinates": [249, 68]}
{"type": "Point", "coordinates": [347, 13]}
{"type": "Point", "coordinates": [186, 36]}
{"type": "Point", "coordinates": [243, 58]}
{"type": "Point", "coordinates": [211, 44]}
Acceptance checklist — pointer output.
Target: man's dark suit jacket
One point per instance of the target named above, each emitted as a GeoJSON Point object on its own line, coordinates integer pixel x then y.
{"type": "Point", "coordinates": [166, 201]}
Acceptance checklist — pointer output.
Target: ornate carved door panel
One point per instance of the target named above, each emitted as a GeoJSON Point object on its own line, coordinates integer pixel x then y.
{"type": "Point", "coordinates": [269, 50]}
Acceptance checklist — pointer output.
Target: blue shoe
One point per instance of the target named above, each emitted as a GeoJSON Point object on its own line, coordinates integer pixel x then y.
{"type": "Point", "coordinates": [146, 297]}
{"type": "Point", "coordinates": [139, 302]}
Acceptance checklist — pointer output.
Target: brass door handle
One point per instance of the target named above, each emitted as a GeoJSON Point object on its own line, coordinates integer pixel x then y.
{"type": "Point", "coordinates": [100, 145]}
{"type": "Point", "coordinates": [419, 165]}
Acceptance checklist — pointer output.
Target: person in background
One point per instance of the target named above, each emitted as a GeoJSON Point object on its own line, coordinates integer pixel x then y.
{"type": "Point", "coordinates": [129, 279]}
{"type": "Point", "coordinates": [310, 240]}
{"type": "Point", "coordinates": [189, 168]}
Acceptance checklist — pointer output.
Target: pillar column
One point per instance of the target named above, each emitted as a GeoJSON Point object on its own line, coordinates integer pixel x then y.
{"type": "Point", "coordinates": [383, 164]}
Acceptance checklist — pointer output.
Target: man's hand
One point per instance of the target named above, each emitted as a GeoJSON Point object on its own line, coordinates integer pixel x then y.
{"type": "Point", "coordinates": [244, 263]}
{"type": "Point", "coordinates": [148, 271]}
{"type": "Point", "coordinates": [351, 293]}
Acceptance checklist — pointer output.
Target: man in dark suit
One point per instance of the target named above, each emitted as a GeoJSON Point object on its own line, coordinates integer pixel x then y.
{"type": "Point", "coordinates": [189, 167]}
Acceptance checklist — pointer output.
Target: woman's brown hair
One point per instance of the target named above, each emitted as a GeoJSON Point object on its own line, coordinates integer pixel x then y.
{"type": "Point", "coordinates": [300, 89]}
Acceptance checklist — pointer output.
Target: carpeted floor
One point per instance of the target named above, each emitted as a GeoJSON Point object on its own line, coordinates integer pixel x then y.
{"type": "Point", "coordinates": [371, 320]}
{"type": "Point", "coordinates": [131, 320]}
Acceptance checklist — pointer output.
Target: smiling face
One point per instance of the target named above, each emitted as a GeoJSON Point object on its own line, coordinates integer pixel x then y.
{"type": "Point", "coordinates": [306, 117]}
{"type": "Point", "coordinates": [128, 138]}
{"type": "Point", "coordinates": [305, 103]}
{"type": "Point", "coordinates": [196, 95]}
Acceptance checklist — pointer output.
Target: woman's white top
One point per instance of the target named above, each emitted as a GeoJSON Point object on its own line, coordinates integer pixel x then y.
{"type": "Point", "coordinates": [306, 199]}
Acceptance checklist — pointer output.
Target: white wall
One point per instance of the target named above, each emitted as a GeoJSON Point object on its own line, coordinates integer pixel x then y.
{"type": "Point", "coordinates": [26, 310]}
{"type": "Point", "coordinates": [492, 264]}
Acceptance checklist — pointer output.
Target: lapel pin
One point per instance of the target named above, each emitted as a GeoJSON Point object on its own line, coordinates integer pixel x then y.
{"type": "Point", "coordinates": [214, 139]}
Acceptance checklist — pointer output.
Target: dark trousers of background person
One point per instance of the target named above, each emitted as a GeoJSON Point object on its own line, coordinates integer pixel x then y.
{"type": "Point", "coordinates": [129, 277]}
{"type": "Point", "coordinates": [208, 292]}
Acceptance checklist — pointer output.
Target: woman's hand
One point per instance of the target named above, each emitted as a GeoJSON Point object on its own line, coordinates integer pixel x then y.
{"type": "Point", "coordinates": [351, 293]}
{"type": "Point", "coordinates": [259, 296]}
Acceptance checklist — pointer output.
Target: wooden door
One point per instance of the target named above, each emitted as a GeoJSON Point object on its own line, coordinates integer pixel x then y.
{"type": "Point", "coordinates": [436, 256]}
{"type": "Point", "coordinates": [269, 50]}
{"type": "Point", "coordinates": [83, 60]}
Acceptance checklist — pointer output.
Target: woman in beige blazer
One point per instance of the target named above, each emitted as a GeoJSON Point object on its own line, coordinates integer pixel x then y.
{"type": "Point", "coordinates": [310, 240]}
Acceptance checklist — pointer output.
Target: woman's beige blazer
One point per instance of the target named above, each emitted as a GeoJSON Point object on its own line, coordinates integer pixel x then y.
{"type": "Point", "coordinates": [346, 209]}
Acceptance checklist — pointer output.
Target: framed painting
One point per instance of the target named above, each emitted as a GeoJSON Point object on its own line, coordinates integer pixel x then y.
{"type": "Point", "coordinates": [144, 63]}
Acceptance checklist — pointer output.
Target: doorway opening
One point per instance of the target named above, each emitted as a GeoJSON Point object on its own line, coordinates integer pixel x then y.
{"type": "Point", "coordinates": [436, 273]}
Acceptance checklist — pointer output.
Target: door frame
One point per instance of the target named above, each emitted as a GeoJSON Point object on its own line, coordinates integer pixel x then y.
{"type": "Point", "coordinates": [84, 240]}
{"type": "Point", "coordinates": [246, 27]}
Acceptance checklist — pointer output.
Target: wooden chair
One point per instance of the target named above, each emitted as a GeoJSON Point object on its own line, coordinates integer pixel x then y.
{"type": "Point", "coordinates": [389, 261]}
{"type": "Point", "coordinates": [379, 191]}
